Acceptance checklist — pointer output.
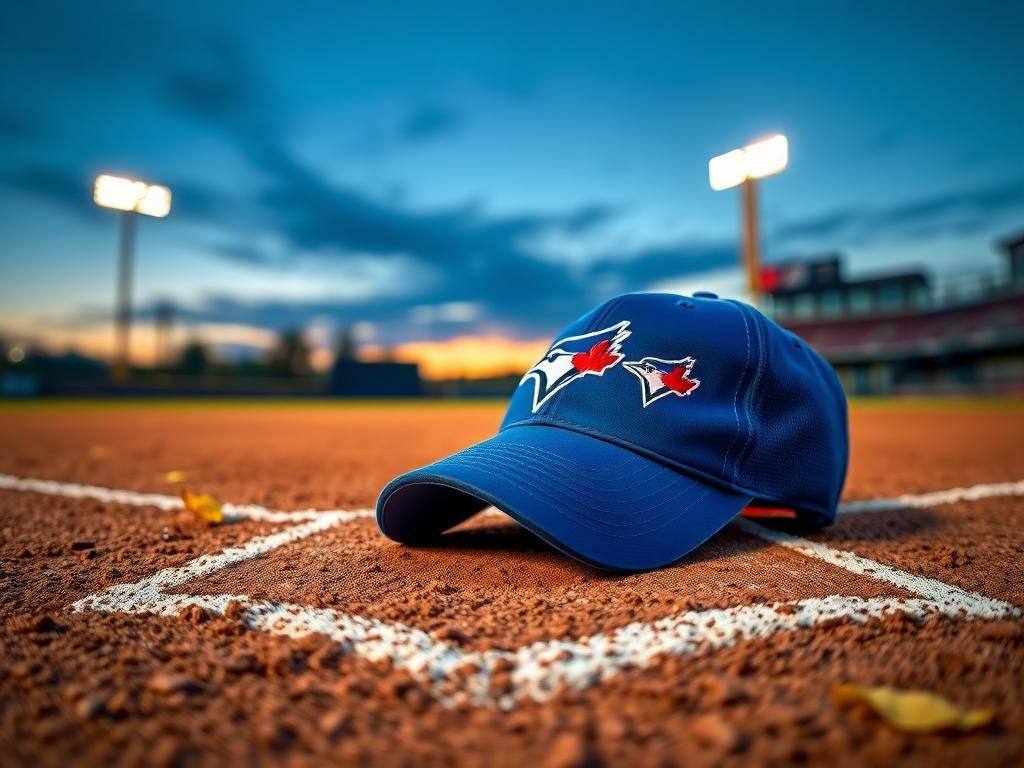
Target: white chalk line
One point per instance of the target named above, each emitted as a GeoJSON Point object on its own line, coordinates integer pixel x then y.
{"type": "Point", "coordinates": [233, 513]}
{"type": "Point", "coordinates": [151, 590]}
{"type": "Point", "coordinates": [934, 499]}
{"type": "Point", "coordinates": [951, 597]}
{"type": "Point", "coordinates": [238, 512]}
{"type": "Point", "coordinates": [537, 671]}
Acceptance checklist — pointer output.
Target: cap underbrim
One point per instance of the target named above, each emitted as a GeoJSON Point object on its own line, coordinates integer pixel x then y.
{"type": "Point", "coordinates": [594, 500]}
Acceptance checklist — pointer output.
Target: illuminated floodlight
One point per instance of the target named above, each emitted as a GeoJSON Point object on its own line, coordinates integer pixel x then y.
{"type": "Point", "coordinates": [766, 157]}
{"type": "Point", "coordinates": [740, 168]}
{"type": "Point", "coordinates": [156, 201]}
{"type": "Point", "coordinates": [728, 170]}
{"type": "Point", "coordinates": [124, 194]}
{"type": "Point", "coordinates": [130, 196]}
{"type": "Point", "coordinates": [754, 161]}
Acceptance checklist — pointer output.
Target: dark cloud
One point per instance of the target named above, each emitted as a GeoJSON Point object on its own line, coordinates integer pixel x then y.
{"type": "Point", "coordinates": [957, 212]}
{"type": "Point", "coordinates": [428, 121]}
{"type": "Point", "coordinates": [66, 189]}
{"type": "Point", "coordinates": [819, 227]}
{"type": "Point", "coordinates": [247, 253]}
{"type": "Point", "coordinates": [197, 202]}
{"type": "Point", "coordinates": [469, 253]}
{"type": "Point", "coordinates": [652, 265]}
{"type": "Point", "coordinates": [524, 297]}
{"type": "Point", "coordinates": [217, 85]}
{"type": "Point", "coordinates": [56, 185]}
{"type": "Point", "coordinates": [19, 126]}
{"type": "Point", "coordinates": [476, 255]}
{"type": "Point", "coordinates": [887, 139]}
{"type": "Point", "coordinates": [986, 200]}
{"type": "Point", "coordinates": [71, 189]}
{"type": "Point", "coordinates": [588, 217]}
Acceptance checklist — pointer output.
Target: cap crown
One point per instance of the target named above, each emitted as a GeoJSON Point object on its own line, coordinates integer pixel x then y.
{"type": "Point", "coordinates": [709, 386]}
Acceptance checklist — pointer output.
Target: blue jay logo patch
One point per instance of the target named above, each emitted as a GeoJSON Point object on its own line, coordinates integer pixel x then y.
{"type": "Point", "coordinates": [660, 378]}
{"type": "Point", "coordinates": [574, 357]}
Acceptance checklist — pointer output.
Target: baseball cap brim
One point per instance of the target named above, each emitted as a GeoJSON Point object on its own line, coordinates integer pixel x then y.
{"type": "Point", "coordinates": [594, 500]}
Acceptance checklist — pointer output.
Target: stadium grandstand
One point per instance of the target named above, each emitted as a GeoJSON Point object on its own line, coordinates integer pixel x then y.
{"type": "Point", "coordinates": [894, 335]}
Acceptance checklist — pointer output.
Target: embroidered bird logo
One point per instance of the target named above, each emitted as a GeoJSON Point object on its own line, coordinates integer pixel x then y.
{"type": "Point", "coordinates": [574, 357]}
{"type": "Point", "coordinates": [660, 378]}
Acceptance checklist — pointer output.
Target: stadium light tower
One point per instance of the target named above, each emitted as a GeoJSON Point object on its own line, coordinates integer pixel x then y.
{"type": "Point", "coordinates": [131, 197]}
{"type": "Point", "coordinates": [742, 168]}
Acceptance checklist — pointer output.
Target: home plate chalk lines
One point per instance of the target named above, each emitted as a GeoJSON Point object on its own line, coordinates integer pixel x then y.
{"type": "Point", "coordinates": [502, 678]}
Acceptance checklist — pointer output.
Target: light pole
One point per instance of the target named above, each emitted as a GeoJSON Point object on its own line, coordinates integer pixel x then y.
{"type": "Point", "coordinates": [742, 167]}
{"type": "Point", "coordinates": [131, 197]}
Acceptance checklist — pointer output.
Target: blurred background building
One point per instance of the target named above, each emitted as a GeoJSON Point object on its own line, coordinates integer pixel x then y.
{"type": "Point", "coordinates": [895, 334]}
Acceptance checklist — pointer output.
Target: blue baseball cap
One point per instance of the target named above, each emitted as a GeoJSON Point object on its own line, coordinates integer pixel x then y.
{"type": "Point", "coordinates": [651, 422]}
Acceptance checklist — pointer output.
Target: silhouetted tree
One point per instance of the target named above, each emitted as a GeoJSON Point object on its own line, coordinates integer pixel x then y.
{"type": "Point", "coordinates": [195, 360]}
{"type": "Point", "coordinates": [346, 349]}
{"type": "Point", "coordinates": [290, 356]}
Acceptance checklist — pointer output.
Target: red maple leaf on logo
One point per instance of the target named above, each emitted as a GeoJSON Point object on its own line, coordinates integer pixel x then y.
{"type": "Point", "coordinates": [676, 380]}
{"type": "Point", "coordinates": [596, 359]}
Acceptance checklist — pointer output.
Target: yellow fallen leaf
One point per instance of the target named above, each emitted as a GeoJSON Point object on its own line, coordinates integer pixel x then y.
{"type": "Point", "coordinates": [176, 476]}
{"type": "Point", "coordinates": [202, 505]}
{"type": "Point", "coordinates": [913, 711]}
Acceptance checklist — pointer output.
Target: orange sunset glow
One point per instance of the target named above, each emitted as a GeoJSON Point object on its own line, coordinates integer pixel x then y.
{"type": "Point", "coordinates": [469, 357]}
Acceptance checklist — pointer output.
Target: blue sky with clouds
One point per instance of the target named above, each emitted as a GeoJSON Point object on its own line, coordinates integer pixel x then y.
{"type": "Point", "coordinates": [443, 169]}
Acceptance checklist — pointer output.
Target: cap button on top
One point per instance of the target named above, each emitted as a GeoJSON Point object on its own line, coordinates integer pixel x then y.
{"type": "Point", "coordinates": [704, 295]}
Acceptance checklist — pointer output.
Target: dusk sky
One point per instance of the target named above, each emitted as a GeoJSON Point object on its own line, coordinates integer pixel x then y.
{"type": "Point", "coordinates": [459, 181]}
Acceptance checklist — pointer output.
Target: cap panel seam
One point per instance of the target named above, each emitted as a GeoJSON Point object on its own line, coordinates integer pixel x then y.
{"type": "Point", "coordinates": [735, 397]}
{"type": "Point", "coordinates": [752, 393]}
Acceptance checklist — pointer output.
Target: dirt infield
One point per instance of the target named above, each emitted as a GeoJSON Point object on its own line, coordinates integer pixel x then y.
{"type": "Point", "coordinates": [134, 634]}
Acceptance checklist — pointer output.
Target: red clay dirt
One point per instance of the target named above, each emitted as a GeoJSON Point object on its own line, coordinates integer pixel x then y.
{"type": "Point", "coordinates": [496, 570]}
{"type": "Point", "coordinates": [57, 550]}
{"type": "Point", "coordinates": [90, 688]}
{"type": "Point", "coordinates": [975, 545]}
